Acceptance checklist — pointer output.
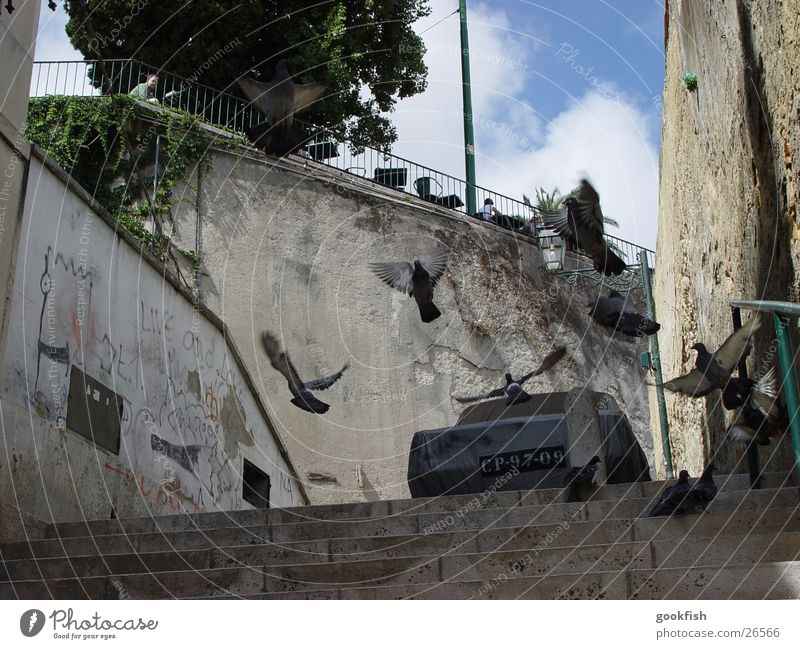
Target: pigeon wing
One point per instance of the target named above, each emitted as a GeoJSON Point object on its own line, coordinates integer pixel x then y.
{"type": "Point", "coordinates": [306, 94]}
{"type": "Point", "coordinates": [327, 381]}
{"type": "Point", "coordinates": [264, 97]}
{"type": "Point", "coordinates": [434, 262]}
{"type": "Point", "coordinates": [281, 362]}
{"type": "Point", "coordinates": [695, 384]}
{"type": "Point", "coordinates": [499, 392]}
{"type": "Point", "coordinates": [396, 274]}
{"type": "Point", "coordinates": [589, 216]}
{"type": "Point", "coordinates": [738, 344]}
{"type": "Point", "coordinates": [549, 361]}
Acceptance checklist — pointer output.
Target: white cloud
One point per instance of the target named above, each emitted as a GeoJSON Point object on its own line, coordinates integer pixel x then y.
{"type": "Point", "coordinates": [602, 135]}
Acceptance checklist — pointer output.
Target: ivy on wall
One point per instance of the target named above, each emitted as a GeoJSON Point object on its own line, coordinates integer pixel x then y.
{"type": "Point", "coordinates": [107, 145]}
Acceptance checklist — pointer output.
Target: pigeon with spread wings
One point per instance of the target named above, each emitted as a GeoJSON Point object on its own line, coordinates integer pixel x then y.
{"type": "Point", "coordinates": [301, 392]}
{"type": "Point", "coordinates": [280, 98]}
{"type": "Point", "coordinates": [417, 280]}
{"type": "Point", "coordinates": [513, 388]}
{"type": "Point", "coordinates": [713, 371]}
{"type": "Point", "coordinates": [581, 224]}
{"type": "Point", "coordinates": [763, 414]}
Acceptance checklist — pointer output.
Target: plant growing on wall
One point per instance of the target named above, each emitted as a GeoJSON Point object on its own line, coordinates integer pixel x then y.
{"type": "Point", "coordinates": [107, 145]}
{"type": "Point", "coordinates": [690, 81]}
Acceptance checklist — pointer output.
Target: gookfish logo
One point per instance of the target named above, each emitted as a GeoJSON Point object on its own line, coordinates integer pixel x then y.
{"type": "Point", "coordinates": [31, 622]}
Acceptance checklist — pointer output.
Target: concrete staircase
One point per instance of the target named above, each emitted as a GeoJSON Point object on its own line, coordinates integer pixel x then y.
{"type": "Point", "coordinates": [494, 546]}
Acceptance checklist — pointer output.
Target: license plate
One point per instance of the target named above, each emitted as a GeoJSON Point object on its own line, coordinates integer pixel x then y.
{"type": "Point", "coordinates": [534, 459]}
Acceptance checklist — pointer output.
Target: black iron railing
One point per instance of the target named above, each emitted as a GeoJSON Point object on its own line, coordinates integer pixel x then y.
{"type": "Point", "coordinates": [121, 76]}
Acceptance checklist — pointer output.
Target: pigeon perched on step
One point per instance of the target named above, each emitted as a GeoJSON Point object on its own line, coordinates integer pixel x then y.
{"type": "Point", "coordinates": [579, 478]}
{"type": "Point", "coordinates": [762, 415]}
{"type": "Point", "coordinates": [673, 499]}
{"type": "Point", "coordinates": [301, 392]}
{"type": "Point", "coordinates": [616, 312]}
{"type": "Point", "coordinates": [703, 491]}
{"type": "Point", "coordinates": [281, 98]}
{"type": "Point", "coordinates": [580, 223]}
{"type": "Point", "coordinates": [513, 387]}
{"type": "Point", "coordinates": [713, 371]}
{"type": "Point", "coordinates": [418, 280]}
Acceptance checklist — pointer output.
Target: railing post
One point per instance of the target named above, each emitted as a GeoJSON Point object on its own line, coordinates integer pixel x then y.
{"type": "Point", "coordinates": [655, 359]}
{"type": "Point", "coordinates": [786, 360]}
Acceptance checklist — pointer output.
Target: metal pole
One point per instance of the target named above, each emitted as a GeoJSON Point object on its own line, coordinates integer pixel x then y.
{"type": "Point", "coordinates": [786, 360]}
{"type": "Point", "coordinates": [466, 87]}
{"type": "Point", "coordinates": [655, 360]}
{"type": "Point", "coordinates": [752, 448]}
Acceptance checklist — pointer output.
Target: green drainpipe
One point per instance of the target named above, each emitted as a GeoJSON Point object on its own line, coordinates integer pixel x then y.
{"type": "Point", "coordinates": [466, 88]}
{"type": "Point", "coordinates": [786, 360]}
{"type": "Point", "coordinates": [655, 363]}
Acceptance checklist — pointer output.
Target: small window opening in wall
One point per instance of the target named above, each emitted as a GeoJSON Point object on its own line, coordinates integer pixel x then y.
{"type": "Point", "coordinates": [255, 486]}
{"type": "Point", "coordinates": [94, 411]}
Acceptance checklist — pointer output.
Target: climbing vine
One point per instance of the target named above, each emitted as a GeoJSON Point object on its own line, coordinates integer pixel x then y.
{"type": "Point", "coordinates": [108, 145]}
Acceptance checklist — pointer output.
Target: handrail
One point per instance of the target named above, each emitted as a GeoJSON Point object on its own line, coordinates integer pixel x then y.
{"type": "Point", "coordinates": [121, 76]}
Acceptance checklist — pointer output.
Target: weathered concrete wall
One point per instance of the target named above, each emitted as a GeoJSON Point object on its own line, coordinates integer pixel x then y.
{"type": "Point", "coordinates": [17, 39]}
{"type": "Point", "coordinates": [728, 195]}
{"type": "Point", "coordinates": [287, 251]}
{"type": "Point", "coordinates": [85, 298]}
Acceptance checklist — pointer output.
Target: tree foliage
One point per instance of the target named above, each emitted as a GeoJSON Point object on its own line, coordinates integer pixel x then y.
{"type": "Point", "coordinates": [364, 50]}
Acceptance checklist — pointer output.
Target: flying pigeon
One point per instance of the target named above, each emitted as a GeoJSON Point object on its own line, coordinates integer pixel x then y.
{"type": "Point", "coordinates": [417, 280]}
{"type": "Point", "coordinates": [673, 499]}
{"type": "Point", "coordinates": [580, 223]}
{"type": "Point", "coordinates": [762, 414]}
{"type": "Point", "coordinates": [303, 398]}
{"type": "Point", "coordinates": [618, 313]}
{"type": "Point", "coordinates": [580, 477]}
{"type": "Point", "coordinates": [513, 388]}
{"type": "Point", "coordinates": [703, 491]}
{"type": "Point", "coordinates": [713, 371]}
{"type": "Point", "coordinates": [280, 98]}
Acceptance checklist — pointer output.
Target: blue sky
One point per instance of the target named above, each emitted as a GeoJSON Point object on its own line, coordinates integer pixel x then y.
{"type": "Point", "coordinates": [561, 89]}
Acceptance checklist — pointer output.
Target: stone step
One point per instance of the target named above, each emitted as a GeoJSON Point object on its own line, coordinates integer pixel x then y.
{"type": "Point", "coordinates": [572, 565]}
{"type": "Point", "coordinates": [380, 510]}
{"type": "Point", "coordinates": [606, 530]}
{"type": "Point", "coordinates": [749, 582]}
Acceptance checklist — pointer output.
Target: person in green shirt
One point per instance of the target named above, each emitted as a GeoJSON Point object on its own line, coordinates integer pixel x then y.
{"type": "Point", "coordinates": [147, 90]}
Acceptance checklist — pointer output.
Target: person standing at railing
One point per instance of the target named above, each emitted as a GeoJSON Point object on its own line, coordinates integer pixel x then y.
{"type": "Point", "coordinates": [146, 91]}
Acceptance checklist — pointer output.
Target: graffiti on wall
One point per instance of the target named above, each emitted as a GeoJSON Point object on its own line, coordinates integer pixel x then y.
{"type": "Point", "coordinates": [183, 418]}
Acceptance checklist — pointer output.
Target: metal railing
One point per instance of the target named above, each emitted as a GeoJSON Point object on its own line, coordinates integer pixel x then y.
{"type": "Point", "coordinates": [121, 76]}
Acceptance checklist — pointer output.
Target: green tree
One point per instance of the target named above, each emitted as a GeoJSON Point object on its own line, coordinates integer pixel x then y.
{"type": "Point", "coordinates": [364, 51]}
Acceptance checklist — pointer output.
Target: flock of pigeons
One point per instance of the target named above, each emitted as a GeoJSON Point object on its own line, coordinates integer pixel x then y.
{"type": "Point", "coordinates": [419, 279]}
{"type": "Point", "coordinates": [760, 415]}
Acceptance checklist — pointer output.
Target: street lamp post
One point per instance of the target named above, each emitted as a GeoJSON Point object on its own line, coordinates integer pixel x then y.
{"type": "Point", "coordinates": [469, 135]}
